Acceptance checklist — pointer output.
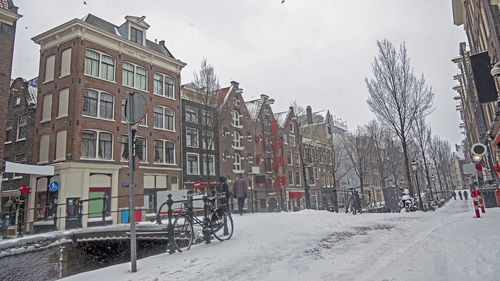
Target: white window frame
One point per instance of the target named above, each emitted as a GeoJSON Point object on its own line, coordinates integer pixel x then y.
{"type": "Point", "coordinates": [290, 182]}
{"type": "Point", "coordinates": [212, 172]}
{"type": "Point", "coordinates": [189, 113]}
{"type": "Point", "coordinates": [134, 79]}
{"type": "Point", "coordinates": [17, 101]}
{"type": "Point", "coordinates": [64, 55]}
{"type": "Point", "coordinates": [292, 143]}
{"type": "Point", "coordinates": [163, 83]}
{"type": "Point", "coordinates": [300, 181]}
{"type": "Point", "coordinates": [204, 142]}
{"type": "Point", "coordinates": [100, 65]}
{"type": "Point", "coordinates": [236, 119]}
{"type": "Point", "coordinates": [49, 78]}
{"type": "Point", "coordinates": [236, 139]}
{"type": "Point", "coordinates": [98, 136]}
{"type": "Point", "coordinates": [237, 164]}
{"type": "Point", "coordinates": [291, 158]}
{"type": "Point", "coordinates": [187, 163]}
{"type": "Point", "coordinates": [22, 124]}
{"type": "Point", "coordinates": [197, 145]}
{"type": "Point", "coordinates": [98, 112]}
{"type": "Point", "coordinates": [164, 119]}
{"type": "Point", "coordinates": [9, 126]}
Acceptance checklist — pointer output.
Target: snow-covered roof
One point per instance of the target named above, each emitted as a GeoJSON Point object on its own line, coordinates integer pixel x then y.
{"type": "Point", "coordinates": [253, 108]}
{"type": "Point", "coordinates": [281, 118]}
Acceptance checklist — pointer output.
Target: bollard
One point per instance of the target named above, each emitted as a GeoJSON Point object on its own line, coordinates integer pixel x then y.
{"type": "Point", "coordinates": [205, 231]}
{"type": "Point", "coordinates": [170, 227]}
{"type": "Point", "coordinates": [480, 199]}
{"type": "Point", "coordinates": [476, 203]}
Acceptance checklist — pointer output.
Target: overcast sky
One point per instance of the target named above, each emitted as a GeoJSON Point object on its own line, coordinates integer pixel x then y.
{"type": "Point", "coordinates": [316, 52]}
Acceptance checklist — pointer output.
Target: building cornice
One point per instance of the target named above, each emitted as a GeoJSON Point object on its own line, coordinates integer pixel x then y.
{"type": "Point", "coordinates": [8, 17]}
{"type": "Point", "coordinates": [78, 28]}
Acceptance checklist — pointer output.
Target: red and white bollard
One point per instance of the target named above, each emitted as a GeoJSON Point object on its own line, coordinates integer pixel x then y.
{"type": "Point", "coordinates": [480, 199]}
{"type": "Point", "coordinates": [476, 203]}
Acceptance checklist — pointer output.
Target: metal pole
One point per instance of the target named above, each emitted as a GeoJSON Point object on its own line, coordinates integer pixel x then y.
{"type": "Point", "coordinates": [131, 212]}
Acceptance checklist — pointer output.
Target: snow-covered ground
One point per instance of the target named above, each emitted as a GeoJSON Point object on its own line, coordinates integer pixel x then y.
{"type": "Point", "coordinates": [449, 244]}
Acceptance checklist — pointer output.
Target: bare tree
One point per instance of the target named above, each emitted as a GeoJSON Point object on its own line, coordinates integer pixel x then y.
{"type": "Point", "coordinates": [440, 152]}
{"type": "Point", "coordinates": [422, 135]}
{"type": "Point", "coordinates": [396, 95]}
{"type": "Point", "coordinates": [356, 146]}
{"type": "Point", "coordinates": [381, 138]}
{"type": "Point", "coordinates": [338, 167]}
{"type": "Point", "coordinates": [207, 87]}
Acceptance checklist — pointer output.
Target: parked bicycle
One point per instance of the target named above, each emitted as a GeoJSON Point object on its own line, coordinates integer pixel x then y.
{"type": "Point", "coordinates": [216, 221]}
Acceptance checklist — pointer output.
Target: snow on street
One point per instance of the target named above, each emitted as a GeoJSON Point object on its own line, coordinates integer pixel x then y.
{"type": "Point", "coordinates": [448, 244]}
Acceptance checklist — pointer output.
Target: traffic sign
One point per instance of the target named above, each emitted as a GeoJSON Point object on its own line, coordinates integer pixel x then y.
{"type": "Point", "coordinates": [139, 107]}
{"type": "Point", "coordinates": [127, 185]}
{"type": "Point", "coordinates": [54, 186]}
{"type": "Point", "coordinates": [197, 184]}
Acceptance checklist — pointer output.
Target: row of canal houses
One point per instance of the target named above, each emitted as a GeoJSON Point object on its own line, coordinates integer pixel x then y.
{"type": "Point", "coordinates": [72, 117]}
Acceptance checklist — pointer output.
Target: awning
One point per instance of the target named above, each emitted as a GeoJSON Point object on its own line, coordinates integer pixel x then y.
{"type": "Point", "coordinates": [295, 194]}
{"type": "Point", "coordinates": [11, 167]}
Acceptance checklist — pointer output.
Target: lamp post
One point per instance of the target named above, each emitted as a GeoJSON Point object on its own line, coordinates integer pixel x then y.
{"type": "Point", "coordinates": [414, 165]}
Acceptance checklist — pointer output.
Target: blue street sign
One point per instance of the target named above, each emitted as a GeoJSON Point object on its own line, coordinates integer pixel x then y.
{"type": "Point", "coordinates": [54, 185]}
{"type": "Point", "coordinates": [127, 185]}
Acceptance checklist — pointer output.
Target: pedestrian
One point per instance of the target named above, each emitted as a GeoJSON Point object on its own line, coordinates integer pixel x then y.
{"type": "Point", "coordinates": [454, 195]}
{"type": "Point", "coordinates": [240, 190]}
{"type": "Point", "coordinates": [8, 211]}
{"type": "Point", "coordinates": [466, 195]}
{"type": "Point", "coordinates": [460, 194]}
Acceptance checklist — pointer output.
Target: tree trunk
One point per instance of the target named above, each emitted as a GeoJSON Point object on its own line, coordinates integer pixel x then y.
{"type": "Point", "coordinates": [428, 176]}
{"type": "Point", "coordinates": [407, 165]}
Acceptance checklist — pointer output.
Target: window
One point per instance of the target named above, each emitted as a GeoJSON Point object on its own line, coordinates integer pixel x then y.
{"type": "Point", "coordinates": [236, 101]}
{"type": "Point", "coordinates": [131, 71]}
{"type": "Point", "coordinates": [46, 108]}
{"type": "Point", "coordinates": [99, 65]}
{"type": "Point", "coordinates": [49, 68]}
{"type": "Point", "coordinates": [292, 128]}
{"type": "Point", "coordinates": [163, 85]}
{"type": "Point", "coordinates": [191, 137]}
{"type": "Point", "coordinates": [63, 103]}
{"type": "Point", "coordinates": [269, 164]}
{"type": "Point", "coordinates": [164, 118]}
{"type": "Point", "coordinates": [61, 145]}
{"type": "Point", "coordinates": [285, 138]}
{"type": "Point", "coordinates": [290, 178]}
{"type": "Point", "coordinates": [289, 158]}
{"type": "Point", "coordinates": [225, 132]}
{"type": "Point", "coordinates": [297, 179]}
{"type": "Point", "coordinates": [207, 118]}
{"type": "Point", "coordinates": [268, 145]}
{"type": "Point", "coordinates": [297, 159]}
{"type": "Point", "coordinates": [292, 140]}
{"type": "Point", "coordinates": [97, 104]}
{"type": "Point", "coordinates": [250, 158]}
{"type": "Point", "coordinates": [236, 118]}
{"type": "Point", "coordinates": [267, 127]}
{"type": "Point", "coordinates": [225, 155]}
{"type": "Point", "coordinates": [236, 139]}
{"type": "Point", "coordinates": [191, 115]}
{"type": "Point", "coordinates": [192, 164]}
{"type": "Point", "coordinates": [66, 62]}
{"type": "Point", "coordinates": [97, 145]}
{"type": "Point", "coordinates": [211, 165]}
{"type": "Point", "coordinates": [43, 156]}
{"type": "Point", "coordinates": [310, 175]}
{"type": "Point", "coordinates": [140, 148]}
{"type": "Point", "coordinates": [168, 147]}
{"type": "Point", "coordinates": [208, 141]}
{"type": "Point", "coordinates": [124, 117]}
{"type": "Point", "coordinates": [237, 162]}
{"type": "Point", "coordinates": [22, 122]}
{"type": "Point", "coordinates": [249, 136]}
{"type": "Point", "coordinates": [17, 101]}
{"type": "Point", "coordinates": [9, 126]}
{"type": "Point", "coordinates": [136, 35]}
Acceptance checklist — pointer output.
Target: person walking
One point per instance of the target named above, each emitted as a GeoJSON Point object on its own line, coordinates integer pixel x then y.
{"type": "Point", "coordinates": [240, 190]}
{"type": "Point", "coordinates": [8, 211]}
{"type": "Point", "coordinates": [460, 195]}
{"type": "Point", "coordinates": [454, 195]}
{"type": "Point", "coordinates": [466, 195]}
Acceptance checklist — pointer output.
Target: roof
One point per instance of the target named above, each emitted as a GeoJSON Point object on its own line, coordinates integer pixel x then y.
{"type": "Point", "coordinates": [223, 93]}
{"type": "Point", "coordinates": [281, 118]}
{"type": "Point", "coordinates": [253, 108]}
{"type": "Point", "coordinates": [113, 29]}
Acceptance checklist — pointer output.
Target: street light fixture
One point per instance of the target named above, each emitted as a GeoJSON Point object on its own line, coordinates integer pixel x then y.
{"type": "Point", "coordinates": [414, 165]}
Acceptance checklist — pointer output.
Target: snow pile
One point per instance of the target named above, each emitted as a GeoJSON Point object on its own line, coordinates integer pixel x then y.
{"type": "Point", "coordinates": [448, 244]}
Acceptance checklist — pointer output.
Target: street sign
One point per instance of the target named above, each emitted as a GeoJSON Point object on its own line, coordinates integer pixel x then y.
{"type": "Point", "coordinates": [127, 185]}
{"type": "Point", "coordinates": [197, 184]}
{"type": "Point", "coordinates": [135, 162]}
{"type": "Point", "coordinates": [54, 186]}
{"type": "Point", "coordinates": [139, 107]}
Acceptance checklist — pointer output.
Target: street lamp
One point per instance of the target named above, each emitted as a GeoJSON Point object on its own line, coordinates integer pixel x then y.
{"type": "Point", "coordinates": [414, 166]}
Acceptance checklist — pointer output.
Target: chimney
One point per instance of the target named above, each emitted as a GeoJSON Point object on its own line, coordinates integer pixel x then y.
{"type": "Point", "coordinates": [235, 84]}
{"type": "Point", "coordinates": [309, 115]}
{"type": "Point", "coordinates": [162, 42]}
{"type": "Point", "coordinates": [263, 98]}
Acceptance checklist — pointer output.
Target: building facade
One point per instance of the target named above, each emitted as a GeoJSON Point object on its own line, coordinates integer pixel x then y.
{"type": "Point", "coordinates": [87, 68]}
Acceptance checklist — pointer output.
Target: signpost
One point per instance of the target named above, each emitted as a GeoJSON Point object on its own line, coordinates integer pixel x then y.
{"type": "Point", "coordinates": [54, 186]}
{"type": "Point", "coordinates": [136, 108]}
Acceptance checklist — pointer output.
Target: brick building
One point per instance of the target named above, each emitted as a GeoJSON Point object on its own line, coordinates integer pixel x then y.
{"type": "Point", "coordinates": [8, 19]}
{"type": "Point", "coordinates": [201, 138]}
{"type": "Point", "coordinates": [19, 135]}
{"type": "Point", "coordinates": [87, 67]}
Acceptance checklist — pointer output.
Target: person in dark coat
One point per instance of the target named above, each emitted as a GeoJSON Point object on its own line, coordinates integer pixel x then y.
{"type": "Point", "coordinates": [454, 195]}
{"type": "Point", "coordinates": [240, 190]}
{"type": "Point", "coordinates": [466, 196]}
{"type": "Point", "coordinates": [460, 194]}
{"type": "Point", "coordinates": [8, 211]}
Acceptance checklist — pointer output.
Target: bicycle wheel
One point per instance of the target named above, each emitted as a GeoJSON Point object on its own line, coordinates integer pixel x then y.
{"type": "Point", "coordinates": [221, 224]}
{"type": "Point", "coordinates": [183, 233]}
